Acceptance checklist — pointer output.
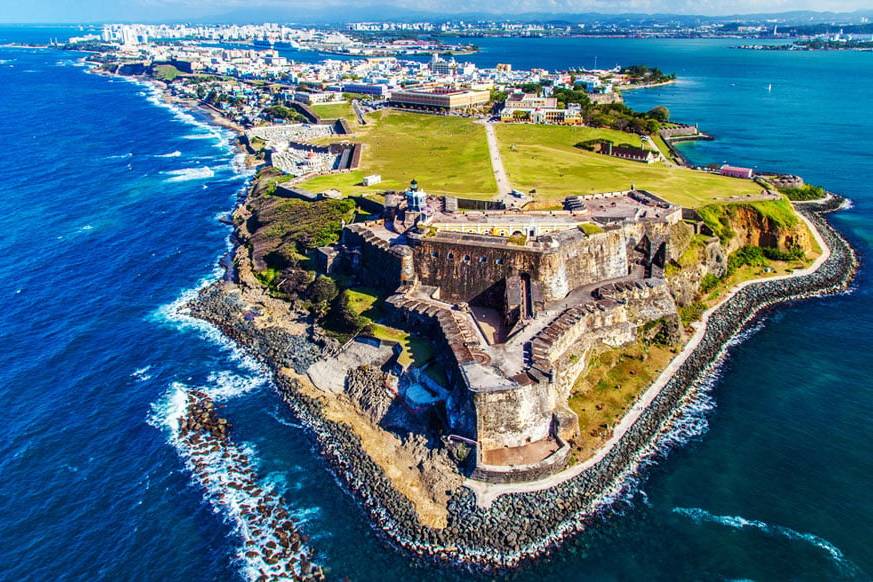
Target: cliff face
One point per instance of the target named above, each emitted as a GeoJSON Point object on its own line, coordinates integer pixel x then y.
{"type": "Point", "coordinates": [703, 249]}
{"type": "Point", "coordinates": [753, 228]}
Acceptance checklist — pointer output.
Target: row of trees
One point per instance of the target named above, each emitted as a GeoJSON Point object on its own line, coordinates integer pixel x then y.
{"type": "Point", "coordinates": [644, 74]}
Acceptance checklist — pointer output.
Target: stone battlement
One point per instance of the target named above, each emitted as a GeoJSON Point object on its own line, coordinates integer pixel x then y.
{"type": "Point", "coordinates": [518, 314]}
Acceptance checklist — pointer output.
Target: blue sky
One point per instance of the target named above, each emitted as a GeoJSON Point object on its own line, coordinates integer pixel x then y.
{"type": "Point", "coordinates": [153, 10]}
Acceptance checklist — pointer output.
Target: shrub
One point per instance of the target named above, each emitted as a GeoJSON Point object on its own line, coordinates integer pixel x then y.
{"type": "Point", "coordinates": [342, 318]}
{"type": "Point", "coordinates": [691, 312]}
{"type": "Point", "coordinates": [718, 219]}
{"type": "Point", "coordinates": [806, 192]}
{"type": "Point", "coordinates": [708, 283]}
{"type": "Point", "coordinates": [793, 254]}
{"type": "Point", "coordinates": [746, 256]}
{"type": "Point", "coordinates": [322, 290]}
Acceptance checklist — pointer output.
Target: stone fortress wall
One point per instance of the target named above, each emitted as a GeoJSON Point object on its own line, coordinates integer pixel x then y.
{"type": "Point", "coordinates": [464, 266]}
{"type": "Point", "coordinates": [520, 409]}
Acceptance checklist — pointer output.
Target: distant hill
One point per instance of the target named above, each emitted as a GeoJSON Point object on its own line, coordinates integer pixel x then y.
{"type": "Point", "coordinates": [331, 15]}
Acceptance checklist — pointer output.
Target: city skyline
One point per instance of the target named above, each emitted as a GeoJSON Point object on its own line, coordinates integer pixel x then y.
{"type": "Point", "coordinates": [95, 11]}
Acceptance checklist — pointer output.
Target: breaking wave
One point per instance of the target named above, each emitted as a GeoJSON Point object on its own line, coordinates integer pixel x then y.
{"type": "Point", "coordinates": [186, 174]}
{"type": "Point", "coordinates": [142, 374]}
{"type": "Point", "coordinates": [272, 545]}
{"type": "Point", "coordinates": [225, 384]}
{"type": "Point", "coordinates": [205, 130]}
{"type": "Point", "coordinates": [174, 154]}
{"type": "Point", "coordinates": [698, 516]}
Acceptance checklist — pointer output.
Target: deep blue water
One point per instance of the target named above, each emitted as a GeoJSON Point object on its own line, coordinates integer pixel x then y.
{"type": "Point", "coordinates": [101, 235]}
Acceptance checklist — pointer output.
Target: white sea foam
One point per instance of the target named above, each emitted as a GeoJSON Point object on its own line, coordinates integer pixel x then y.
{"type": "Point", "coordinates": [169, 410]}
{"type": "Point", "coordinates": [120, 156]}
{"type": "Point", "coordinates": [225, 384]}
{"type": "Point", "coordinates": [206, 131]}
{"type": "Point", "coordinates": [142, 374]}
{"type": "Point", "coordinates": [187, 174]}
{"type": "Point", "coordinates": [276, 415]}
{"type": "Point", "coordinates": [698, 515]}
{"type": "Point", "coordinates": [224, 472]}
{"type": "Point", "coordinates": [178, 315]}
{"type": "Point", "coordinates": [175, 154]}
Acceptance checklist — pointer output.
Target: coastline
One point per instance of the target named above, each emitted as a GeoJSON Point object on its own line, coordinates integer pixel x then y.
{"type": "Point", "coordinates": [646, 85]}
{"type": "Point", "coordinates": [489, 538]}
{"type": "Point", "coordinates": [482, 535]}
{"type": "Point", "coordinates": [487, 493]}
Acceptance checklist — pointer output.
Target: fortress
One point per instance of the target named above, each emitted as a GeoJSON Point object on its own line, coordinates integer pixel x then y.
{"type": "Point", "coordinates": [519, 299]}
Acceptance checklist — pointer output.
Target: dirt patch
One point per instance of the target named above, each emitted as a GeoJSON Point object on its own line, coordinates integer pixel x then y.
{"type": "Point", "coordinates": [399, 462]}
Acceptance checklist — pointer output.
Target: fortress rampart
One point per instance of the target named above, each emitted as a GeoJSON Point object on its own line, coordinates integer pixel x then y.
{"type": "Point", "coordinates": [464, 266]}
{"type": "Point", "coordinates": [519, 314]}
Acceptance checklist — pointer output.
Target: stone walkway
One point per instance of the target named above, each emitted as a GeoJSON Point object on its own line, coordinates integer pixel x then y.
{"type": "Point", "coordinates": [500, 176]}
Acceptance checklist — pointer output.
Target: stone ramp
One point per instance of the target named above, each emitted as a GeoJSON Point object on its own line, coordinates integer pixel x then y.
{"type": "Point", "coordinates": [329, 374]}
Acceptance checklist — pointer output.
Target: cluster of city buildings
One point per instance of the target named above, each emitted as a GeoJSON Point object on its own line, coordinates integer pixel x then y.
{"type": "Point", "coordinates": [131, 34]}
{"type": "Point", "coordinates": [231, 75]}
{"type": "Point", "coordinates": [529, 108]}
{"type": "Point", "coordinates": [458, 26]}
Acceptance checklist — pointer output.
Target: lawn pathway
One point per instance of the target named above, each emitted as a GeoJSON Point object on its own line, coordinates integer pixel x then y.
{"type": "Point", "coordinates": [503, 185]}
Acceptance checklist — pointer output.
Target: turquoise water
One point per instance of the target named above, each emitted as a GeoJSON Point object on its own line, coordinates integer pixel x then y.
{"type": "Point", "coordinates": [106, 226]}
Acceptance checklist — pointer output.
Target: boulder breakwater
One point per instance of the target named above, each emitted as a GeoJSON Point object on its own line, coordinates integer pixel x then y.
{"type": "Point", "coordinates": [518, 526]}
{"type": "Point", "coordinates": [274, 549]}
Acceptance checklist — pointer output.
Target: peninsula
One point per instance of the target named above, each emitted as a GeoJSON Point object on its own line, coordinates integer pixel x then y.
{"type": "Point", "coordinates": [487, 293]}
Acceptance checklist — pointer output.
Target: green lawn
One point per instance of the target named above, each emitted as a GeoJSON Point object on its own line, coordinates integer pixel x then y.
{"type": "Point", "coordinates": [166, 72]}
{"type": "Point", "coordinates": [445, 154]}
{"type": "Point", "coordinates": [664, 148]}
{"type": "Point", "coordinates": [362, 299]}
{"type": "Point", "coordinates": [543, 158]}
{"type": "Point", "coordinates": [416, 349]}
{"type": "Point", "coordinates": [341, 110]}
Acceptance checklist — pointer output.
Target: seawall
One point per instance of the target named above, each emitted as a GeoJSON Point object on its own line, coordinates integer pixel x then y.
{"type": "Point", "coordinates": [518, 526]}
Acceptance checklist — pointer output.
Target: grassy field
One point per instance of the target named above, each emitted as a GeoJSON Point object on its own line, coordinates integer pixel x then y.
{"type": "Point", "coordinates": [416, 349]}
{"type": "Point", "coordinates": [445, 154]}
{"type": "Point", "coordinates": [543, 158]}
{"type": "Point", "coordinates": [611, 383]}
{"type": "Point", "coordinates": [166, 72]}
{"type": "Point", "coordinates": [341, 110]}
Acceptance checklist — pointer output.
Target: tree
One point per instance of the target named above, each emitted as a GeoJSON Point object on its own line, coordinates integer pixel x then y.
{"type": "Point", "coordinates": [322, 290]}
{"type": "Point", "coordinates": [531, 88]}
{"type": "Point", "coordinates": [659, 113]}
{"type": "Point", "coordinates": [342, 317]}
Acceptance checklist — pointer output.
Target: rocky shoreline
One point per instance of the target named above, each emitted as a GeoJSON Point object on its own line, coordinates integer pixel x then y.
{"type": "Point", "coordinates": [274, 548]}
{"type": "Point", "coordinates": [518, 526]}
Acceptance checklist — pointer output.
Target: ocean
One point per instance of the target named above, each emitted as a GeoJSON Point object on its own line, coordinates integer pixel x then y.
{"type": "Point", "coordinates": [112, 217]}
